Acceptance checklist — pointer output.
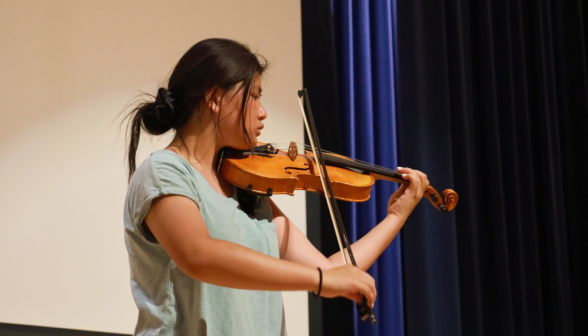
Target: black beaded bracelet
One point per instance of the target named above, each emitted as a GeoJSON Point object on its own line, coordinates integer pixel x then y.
{"type": "Point", "coordinates": [320, 283]}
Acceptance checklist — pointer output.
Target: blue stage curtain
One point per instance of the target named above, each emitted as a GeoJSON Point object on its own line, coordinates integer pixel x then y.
{"type": "Point", "coordinates": [366, 43]}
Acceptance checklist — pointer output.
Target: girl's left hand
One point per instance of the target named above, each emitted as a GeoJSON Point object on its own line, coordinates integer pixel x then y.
{"type": "Point", "coordinates": [405, 199]}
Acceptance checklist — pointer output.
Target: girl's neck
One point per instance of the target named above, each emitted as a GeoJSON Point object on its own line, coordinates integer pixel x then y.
{"type": "Point", "coordinates": [198, 144]}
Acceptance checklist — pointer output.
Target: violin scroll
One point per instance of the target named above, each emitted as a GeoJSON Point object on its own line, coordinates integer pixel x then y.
{"type": "Point", "coordinates": [450, 197]}
{"type": "Point", "coordinates": [445, 202]}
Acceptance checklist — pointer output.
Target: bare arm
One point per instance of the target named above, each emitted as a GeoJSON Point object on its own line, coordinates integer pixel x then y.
{"type": "Point", "coordinates": [369, 248]}
{"type": "Point", "coordinates": [190, 246]}
{"type": "Point", "coordinates": [294, 246]}
{"type": "Point", "coordinates": [180, 229]}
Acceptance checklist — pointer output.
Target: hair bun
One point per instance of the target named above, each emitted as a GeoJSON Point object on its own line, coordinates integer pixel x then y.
{"type": "Point", "coordinates": [161, 117]}
{"type": "Point", "coordinates": [165, 97]}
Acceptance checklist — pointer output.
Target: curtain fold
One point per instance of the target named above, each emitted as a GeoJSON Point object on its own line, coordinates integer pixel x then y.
{"type": "Point", "coordinates": [365, 40]}
{"type": "Point", "coordinates": [493, 99]}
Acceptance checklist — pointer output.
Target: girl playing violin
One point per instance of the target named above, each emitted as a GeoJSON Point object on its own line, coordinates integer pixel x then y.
{"type": "Point", "coordinates": [199, 264]}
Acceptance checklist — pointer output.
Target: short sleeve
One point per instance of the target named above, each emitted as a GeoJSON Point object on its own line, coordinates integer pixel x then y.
{"type": "Point", "coordinates": [176, 177]}
{"type": "Point", "coordinates": [158, 175]}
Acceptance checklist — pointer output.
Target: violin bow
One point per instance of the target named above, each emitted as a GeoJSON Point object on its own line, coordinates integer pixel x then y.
{"type": "Point", "coordinates": [362, 308]}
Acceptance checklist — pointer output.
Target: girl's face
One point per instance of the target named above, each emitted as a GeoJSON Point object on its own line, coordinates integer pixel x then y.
{"type": "Point", "coordinates": [231, 124]}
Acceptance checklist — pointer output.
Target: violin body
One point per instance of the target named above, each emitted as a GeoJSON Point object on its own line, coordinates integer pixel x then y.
{"type": "Point", "coordinates": [278, 173]}
{"type": "Point", "coordinates": [269, 171]}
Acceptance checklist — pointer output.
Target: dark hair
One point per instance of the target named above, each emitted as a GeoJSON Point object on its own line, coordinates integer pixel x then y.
{"type": "Point", "coordinates": [213, 62]}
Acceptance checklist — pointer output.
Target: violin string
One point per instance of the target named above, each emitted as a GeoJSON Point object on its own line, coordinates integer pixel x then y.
{"type": "Point", "coordinates": [307, 147]}
{"type": "Point", "coordinates": [364, 162]}
{"type": "Point", "coordinates": [352, 159]}
{"type": "Point", "coordinates": [361, 161]}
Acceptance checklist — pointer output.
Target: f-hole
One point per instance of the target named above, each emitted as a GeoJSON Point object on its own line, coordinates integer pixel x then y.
{"type": "Point", "coordinates": [296, 168]}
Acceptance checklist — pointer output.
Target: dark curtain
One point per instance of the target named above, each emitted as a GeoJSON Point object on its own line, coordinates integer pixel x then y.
{"type": "Point", "coordinates": [492, 102]}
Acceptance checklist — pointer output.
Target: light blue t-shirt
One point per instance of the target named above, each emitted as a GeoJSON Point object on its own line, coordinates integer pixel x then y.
{"type": "Point", "coordinates": [169, 301]}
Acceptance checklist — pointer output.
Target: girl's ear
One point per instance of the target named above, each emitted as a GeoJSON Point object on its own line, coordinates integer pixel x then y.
{"type": "Point", "coordinates": [213, 98]}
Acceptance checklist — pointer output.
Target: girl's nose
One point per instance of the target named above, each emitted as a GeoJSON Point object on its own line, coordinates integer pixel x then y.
{"type": "Point", "coordinates": [262, 114]}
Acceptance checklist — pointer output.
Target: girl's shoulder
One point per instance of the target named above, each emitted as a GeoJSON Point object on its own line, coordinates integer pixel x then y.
{"type": "Point", "coordinates": [163, 165]}
{"type": "Point", "coordinates": [163, 173]}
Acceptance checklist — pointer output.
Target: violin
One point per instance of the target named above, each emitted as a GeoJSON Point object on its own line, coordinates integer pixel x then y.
{"type": "Point", "coordinates": [268, 170]}
{"type": "Point", "coordinates": [271, 169]}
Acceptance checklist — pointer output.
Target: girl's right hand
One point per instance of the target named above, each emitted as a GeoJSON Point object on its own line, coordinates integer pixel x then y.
{"type": "Point", "coordinates": [349, 282]}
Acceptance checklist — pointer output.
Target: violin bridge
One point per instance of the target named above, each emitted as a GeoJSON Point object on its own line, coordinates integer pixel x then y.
{"type": "Point", "coordinates": [293, 151]}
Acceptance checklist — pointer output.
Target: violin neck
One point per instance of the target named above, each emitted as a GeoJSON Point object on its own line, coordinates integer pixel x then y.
{"type": "Point", "coordinates": [378, 173]}
{"type": "Point", "coordinates": [390, 178]}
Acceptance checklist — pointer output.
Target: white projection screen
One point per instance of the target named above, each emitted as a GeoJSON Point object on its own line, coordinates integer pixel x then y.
{"type": "Point", "coordinates": [67, 69]}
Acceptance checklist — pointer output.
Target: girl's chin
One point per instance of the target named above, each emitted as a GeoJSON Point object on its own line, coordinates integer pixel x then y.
{"type": "Point", "coordinates": [253, 141]}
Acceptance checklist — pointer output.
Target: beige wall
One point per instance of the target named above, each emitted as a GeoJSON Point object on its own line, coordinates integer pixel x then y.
{"type": "Point", "coordinates": [67, 69]}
